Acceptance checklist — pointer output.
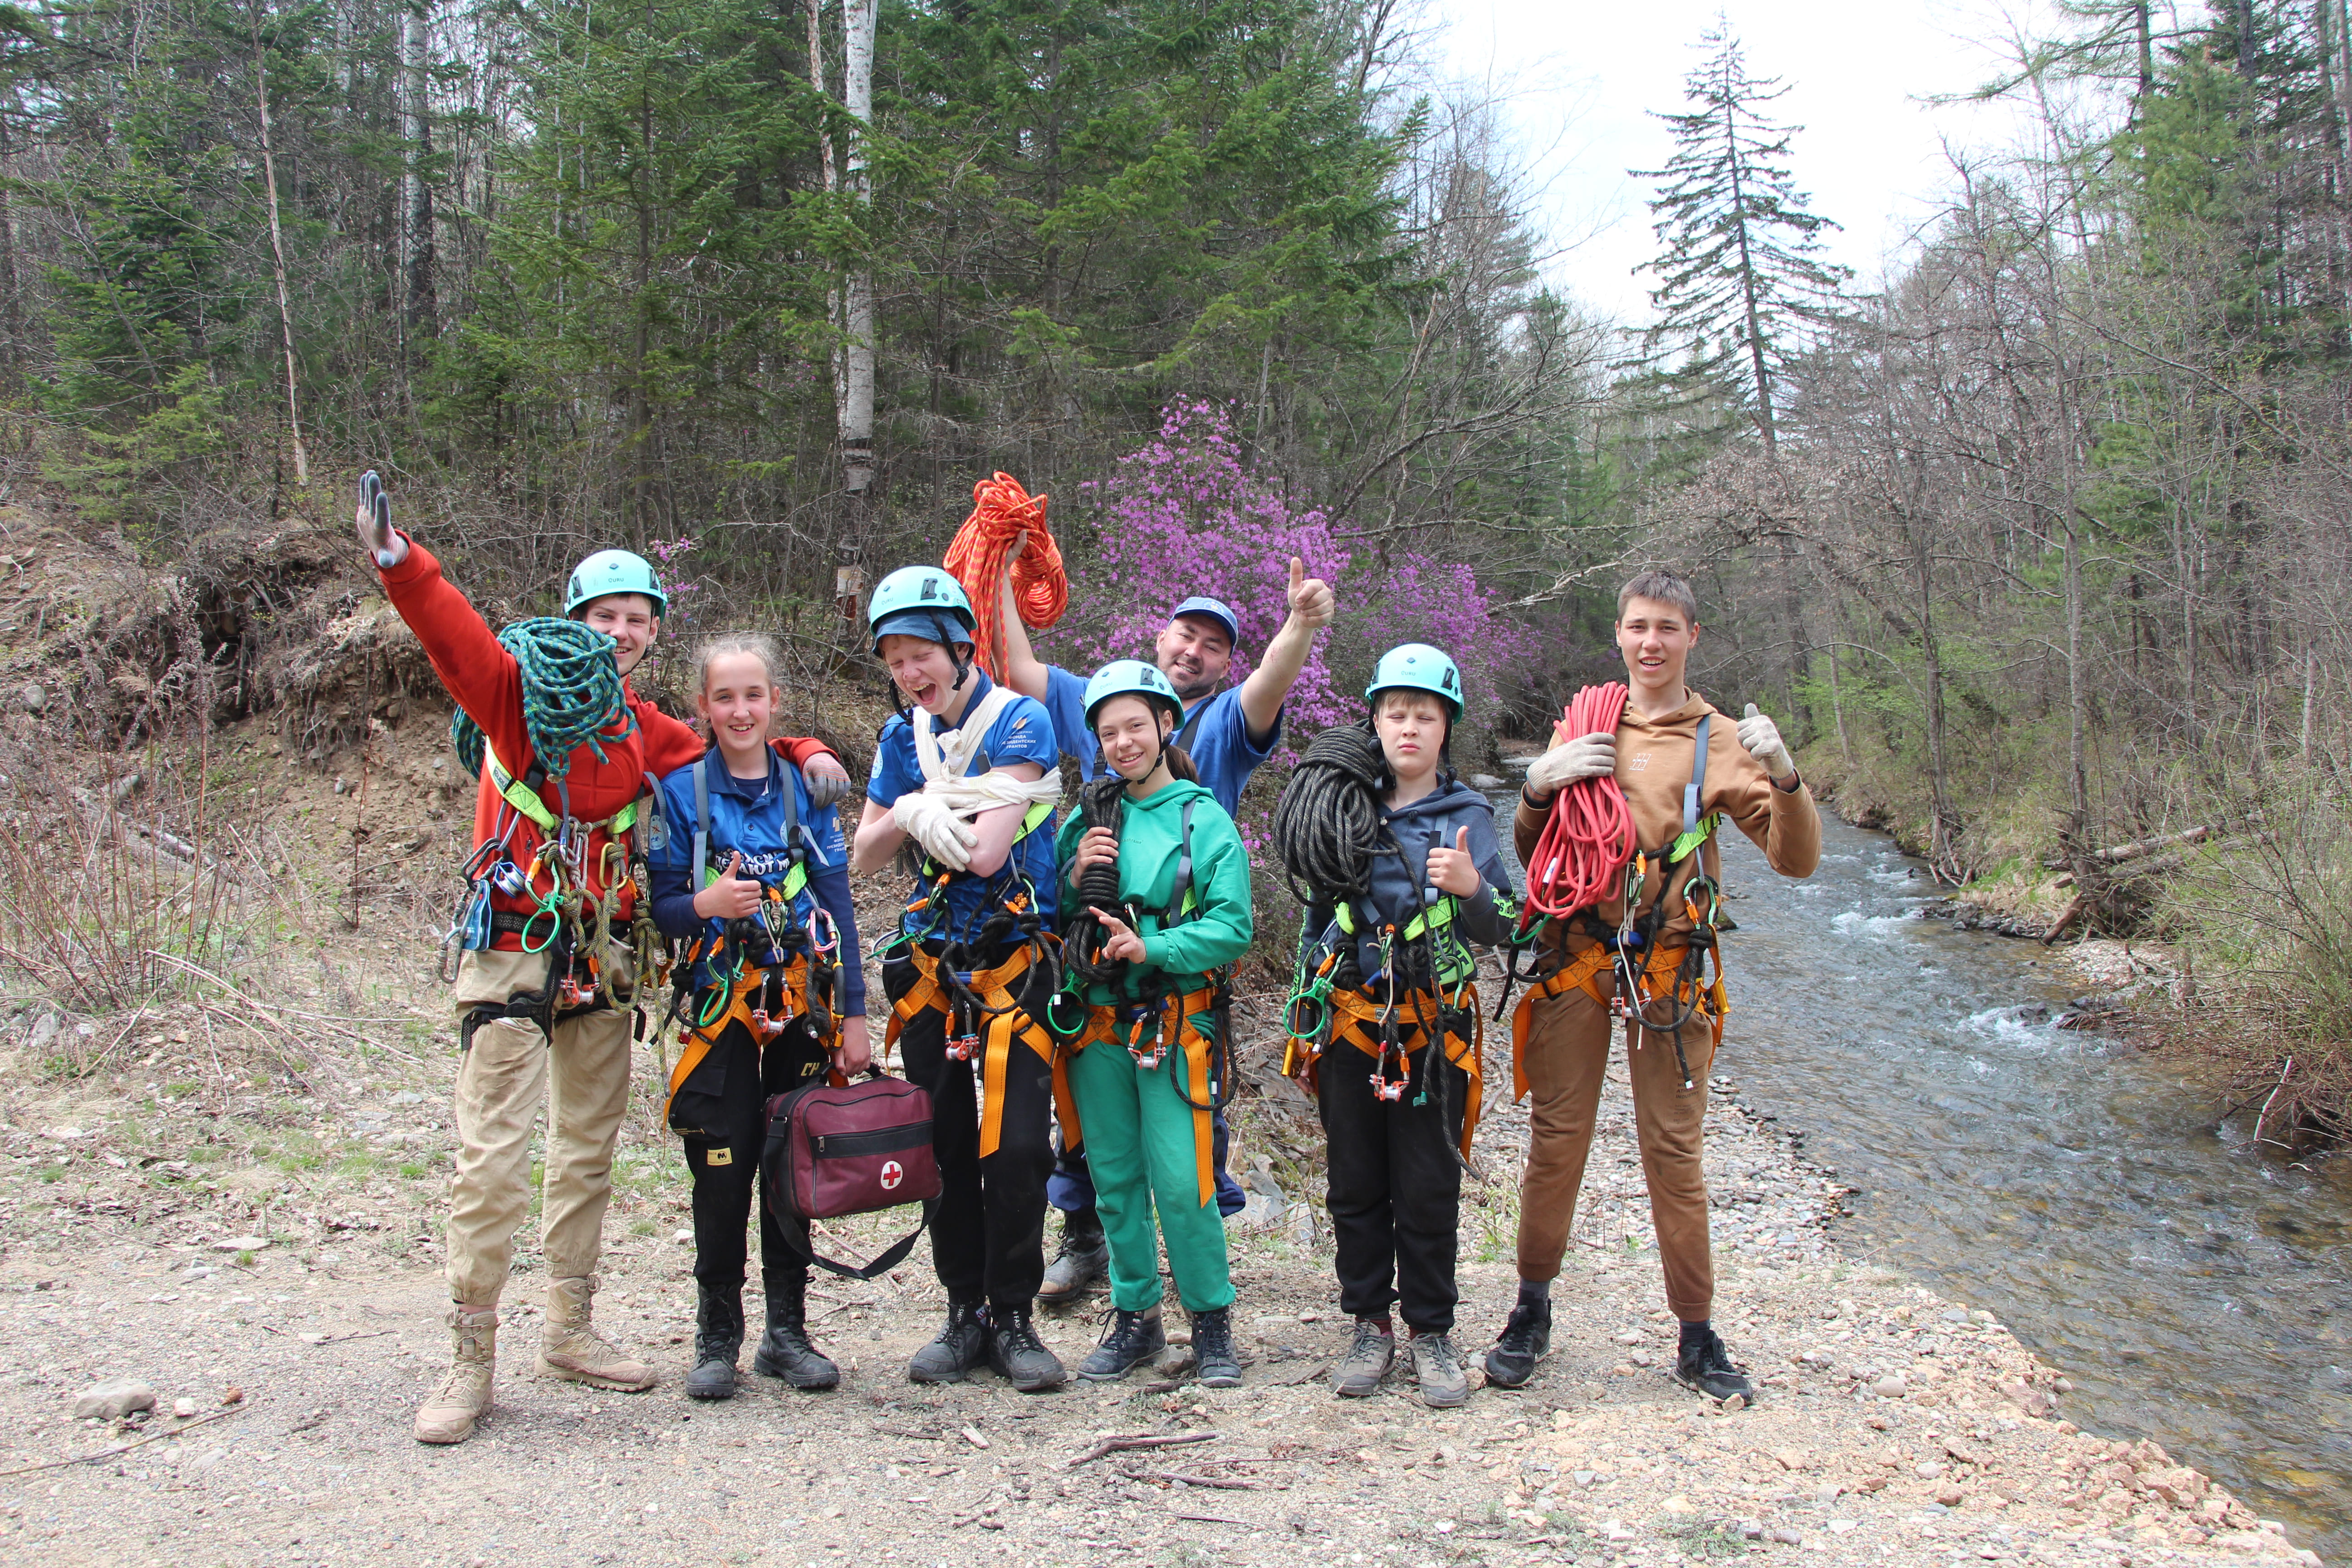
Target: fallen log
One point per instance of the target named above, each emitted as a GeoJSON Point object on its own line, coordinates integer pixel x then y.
{"type": "Point", "coordinates": [2066, 917]}
{"type": "Point", "coordinates": [2118, 854]}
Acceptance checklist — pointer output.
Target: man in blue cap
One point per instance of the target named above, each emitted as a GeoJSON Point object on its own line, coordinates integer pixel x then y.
{"type": "Point", "coordinates": [1227, 732]}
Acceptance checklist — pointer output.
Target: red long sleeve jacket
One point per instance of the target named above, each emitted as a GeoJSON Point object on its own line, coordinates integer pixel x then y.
{"type": "Point", "coordinates": [484, 680]}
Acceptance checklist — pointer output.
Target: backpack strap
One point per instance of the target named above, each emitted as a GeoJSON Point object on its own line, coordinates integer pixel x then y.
{"type": "Point", "coordinates": [701, 820]}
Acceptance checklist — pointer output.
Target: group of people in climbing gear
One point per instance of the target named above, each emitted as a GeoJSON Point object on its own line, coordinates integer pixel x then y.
{"type": "Point", "coordinates": [1062, 988]}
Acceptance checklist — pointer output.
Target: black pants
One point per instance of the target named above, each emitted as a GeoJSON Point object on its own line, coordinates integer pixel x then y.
{"type": "Point", "coordinates": [727, 1174]}
{"type": "Point", "coordinates": [1395, 1196]}
{"type": "Point", "coordinates": [988, 1231]}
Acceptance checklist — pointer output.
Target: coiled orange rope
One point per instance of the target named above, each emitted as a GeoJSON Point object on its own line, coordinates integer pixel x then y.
{"type": "Point", "coordinates": [1002, 513]}
{"type": "Point", "coordinates": [1589, 836]}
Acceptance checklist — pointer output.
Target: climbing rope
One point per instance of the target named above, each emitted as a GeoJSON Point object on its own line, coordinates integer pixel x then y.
{"type": "Point", "coordinates": [1589, 836]}
{"type": "Point", "coordinates": [571, 695]}
{"type": "Point", "coordinates": [1001, 513]}
{"type": "Point", "coordinates": [1327, 825]}
{"type": "Point", "coordinates": [1083, 936]}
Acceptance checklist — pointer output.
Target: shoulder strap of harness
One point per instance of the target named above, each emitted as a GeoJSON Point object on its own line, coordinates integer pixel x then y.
{"type": "Point", "coordinates": [1183, 736]}
{"type": "Point", "coordinates": [1181, 892]}
{"type": "Point", "coordinates": [701, 820]}
{"type": "Point", "coordinates": [1696, 829]}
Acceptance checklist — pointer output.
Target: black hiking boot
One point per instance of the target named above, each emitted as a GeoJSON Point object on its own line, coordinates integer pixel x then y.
{"type": "Point", "coordinates": [1703, 1364]}
{"type": "Point", "coordinates": [717, 1341]}
{"type": "Point", "coordinates": [785, 1350]}
{"type": "Point", "coordinates": [1133, 1339]}
{"type": "Point", "coordinates": [1213, 1349]}
{"type": "Point", "coordinates": [1016, 1353]}
{"type": "Point", "coordinates": [1082, 1262]}
{"type": "Point", "coordinates": [1525, 1339]}
{"type": "Point", "coordinates": [961, 1345]}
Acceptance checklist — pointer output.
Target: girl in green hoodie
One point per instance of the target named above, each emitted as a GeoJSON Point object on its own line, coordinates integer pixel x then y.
{"type": "Point", "coordinates": [1158, 897]}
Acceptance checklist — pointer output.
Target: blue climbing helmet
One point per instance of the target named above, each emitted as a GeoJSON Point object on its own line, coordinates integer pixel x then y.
{"type": "Point", "coordinates": [614, 571]}
{"type": "Point", "coordinates": [1417, 667]}
{"type": "Point", "coordinates": [1131, 677]}
{"type": "Point", "coordinates": [921, 602]}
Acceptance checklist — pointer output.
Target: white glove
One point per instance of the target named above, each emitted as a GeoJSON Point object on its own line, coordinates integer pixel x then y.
{"type": "Point", "coordinates": [1762, 739]}
{"type": "Point", "coordinates": [1586, 757]}
{"type": "Point", "coordinates": [375, 522]}
{"type": "Point", "coordinates": [945, 837]}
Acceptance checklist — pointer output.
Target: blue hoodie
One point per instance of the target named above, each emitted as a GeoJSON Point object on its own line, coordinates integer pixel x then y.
{"type": "Point", "coordinates": [748, 816]}
{"type": "Point", "coordinates": [1399, 886]}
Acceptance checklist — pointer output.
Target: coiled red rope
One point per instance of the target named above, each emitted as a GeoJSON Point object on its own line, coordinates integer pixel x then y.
{"type": "Point", "coordinates": [1589, 836]}
{"type": "Point", "coordinates": [1001, 513]}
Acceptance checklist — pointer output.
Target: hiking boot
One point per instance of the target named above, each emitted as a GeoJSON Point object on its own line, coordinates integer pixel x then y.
{"type": "Point", "coordinates": [1525, 1339]}
{"type": "Point", "coordinates": [1213, 1349]}
{"type": "Point", "coordinates": [1015, 1352]}
{"type": "Point", "coordinates": [449, 1416]}
{"type": "Point", "coordinates": [1437, 1366]}
{"type": "Point", "coordinates": [785, 1350]}
{"type": "Point", "coordinates": [717, 1339]}
{"type": "Point", "coordinates": [570, 1346]}
{"type": "Point", "coordinates": [1706, 1366]}
{"type": "Point", "coordinates": [961, 1345]}
{"type": "Point", "coordinates": [1359, 1372]}
{"type": "Point", "coordinates": [1133, 1339]}
{"type": "Point", "coordinates": [1082, 1264]}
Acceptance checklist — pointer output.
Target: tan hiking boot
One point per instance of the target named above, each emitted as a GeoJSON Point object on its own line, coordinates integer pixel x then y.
{"type": "Point", "coordinates": [570, 1346]}
{"type": "Point", "coordinates": [448, 1416]}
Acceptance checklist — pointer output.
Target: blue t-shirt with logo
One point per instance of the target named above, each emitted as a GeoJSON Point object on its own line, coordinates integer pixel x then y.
{"type": "Point", "coordinates": [1219, 744]}
{"type": "Point", "coordinates": [747, 817]}
{"type": "Point", "coordinates": [1022, 733]}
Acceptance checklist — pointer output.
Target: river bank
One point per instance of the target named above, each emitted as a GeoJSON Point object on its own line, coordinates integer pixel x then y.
{"type": "Point", "coordinates": [214, 1241]}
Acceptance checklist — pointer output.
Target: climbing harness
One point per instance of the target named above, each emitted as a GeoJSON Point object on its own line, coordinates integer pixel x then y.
{"type": "Point", "coordinates": [1150, 1031]}
{"type": "Point", "coordinates": [1644, 975]}
{"type": "Point", "coordinates": [1002, 513]}
{"type": "Point", "coordinates": [984, 1019]}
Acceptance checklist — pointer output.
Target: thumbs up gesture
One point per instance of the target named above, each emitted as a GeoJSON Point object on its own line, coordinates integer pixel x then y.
{"type": "Point", "coordinates": [1311, 601]}
{"type": "Point", "coordinates": [730, 897]}
{"type": "Point", "coordinates": [1452, 870]}
{"type": "Point", "coordinates": [1762, 739]}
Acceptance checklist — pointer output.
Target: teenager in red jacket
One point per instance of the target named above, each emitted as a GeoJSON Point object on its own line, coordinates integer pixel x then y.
{"type": "Point", "coordinates": [527, 1034]}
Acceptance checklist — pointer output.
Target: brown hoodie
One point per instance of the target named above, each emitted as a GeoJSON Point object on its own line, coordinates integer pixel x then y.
{"type": "Point", "coordinates": [1654, 764]}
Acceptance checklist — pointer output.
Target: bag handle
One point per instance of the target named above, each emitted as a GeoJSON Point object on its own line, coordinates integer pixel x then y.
{"type": "Point", "coordinates": [796, 1238]}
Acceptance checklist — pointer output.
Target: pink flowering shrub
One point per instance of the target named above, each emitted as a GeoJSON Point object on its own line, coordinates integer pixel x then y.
{"type": "Point", "coordinates": [1183, 516]}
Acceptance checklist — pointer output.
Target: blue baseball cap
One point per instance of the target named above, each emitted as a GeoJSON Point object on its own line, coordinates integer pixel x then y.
{"type": "Point", "coordinates": [1216, 610]}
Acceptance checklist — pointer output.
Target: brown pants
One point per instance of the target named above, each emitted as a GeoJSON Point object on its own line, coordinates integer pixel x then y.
{"type": "Point", "coordinates": [1567, 1056]}
{"type": "Point", "coordinates": [583, 1075]}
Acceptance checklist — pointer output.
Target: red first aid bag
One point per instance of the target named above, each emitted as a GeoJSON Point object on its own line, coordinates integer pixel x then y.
{"type": "Point", "coordinates": [850, 1149]}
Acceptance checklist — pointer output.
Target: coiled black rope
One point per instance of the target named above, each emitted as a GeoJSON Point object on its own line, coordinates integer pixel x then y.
{"type": "Point", "coordinates": [1102, 802]}
{"type": "Point", "coordinates": [1327, 825]}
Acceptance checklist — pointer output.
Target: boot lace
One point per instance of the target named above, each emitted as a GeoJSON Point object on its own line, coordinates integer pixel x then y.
{"type": "Point", "coordinates": [1019, 1332]}
{"type": "Point", "coordinates": [1438, 1351]}
{"type": "Point", "coordinates": [1519, 1332]}
{"type": "Point", "coordinates": [1369, 1342]}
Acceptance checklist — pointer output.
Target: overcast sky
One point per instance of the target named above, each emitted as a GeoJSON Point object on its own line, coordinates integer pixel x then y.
{"type": "Point", "coordinates": [1577, 80]}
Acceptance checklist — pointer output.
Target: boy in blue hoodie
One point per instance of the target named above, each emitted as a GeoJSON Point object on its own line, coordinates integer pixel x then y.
{"type": "Point", "coordinates": [1390, 970]}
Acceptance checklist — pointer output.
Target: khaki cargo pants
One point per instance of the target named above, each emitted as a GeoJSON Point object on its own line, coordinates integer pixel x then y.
{"type": "Point", "coordinates": [583, 1074]}
{"type": "Point", "coordinates": [1568, 1038]}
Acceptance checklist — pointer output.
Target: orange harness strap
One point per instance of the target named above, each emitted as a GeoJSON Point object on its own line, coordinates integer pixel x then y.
{"type": "Point", "coordinates": [1175, 1024]}
{"type": "Point", "coordinates": [1006, 1023]}
{"type": "Point", "coordinates": [1587, 970]}
{"type": "Point", "coordinates": [743, 1000]}
{"type": "Point", "coordinates": [1355, 1018]}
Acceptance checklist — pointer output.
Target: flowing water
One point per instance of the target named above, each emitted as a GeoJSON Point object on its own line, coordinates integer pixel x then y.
{"type": "Point", "coordinates": [2195, 1291]}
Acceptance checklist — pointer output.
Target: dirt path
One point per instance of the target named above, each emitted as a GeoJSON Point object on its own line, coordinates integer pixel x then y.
{"type": "Point", "coordinates": [1890, 1427]}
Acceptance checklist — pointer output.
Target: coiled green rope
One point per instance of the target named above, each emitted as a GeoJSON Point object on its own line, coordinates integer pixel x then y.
{"type": "Point", "coordinates": [570, 695]}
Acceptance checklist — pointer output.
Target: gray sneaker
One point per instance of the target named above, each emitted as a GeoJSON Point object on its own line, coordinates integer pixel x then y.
{"type": "Point", "coordinates": [1359, 1372]}
{"type": "Point", "coordinates": [1445, 1382]}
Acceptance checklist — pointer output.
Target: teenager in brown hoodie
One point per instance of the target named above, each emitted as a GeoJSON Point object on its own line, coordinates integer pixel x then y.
{"type": "Point", "coordinates": [1752, 781]}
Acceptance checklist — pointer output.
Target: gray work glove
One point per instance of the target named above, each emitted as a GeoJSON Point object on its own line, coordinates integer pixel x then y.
{"type": "Point", "coordinates": [1586, 757]}
{"type": "Point", "coordinates": [828, 782]}
{"type": "Point", "coordinates": [374, 521]}
{"type": "Point", "coordinates": [1762, 739]}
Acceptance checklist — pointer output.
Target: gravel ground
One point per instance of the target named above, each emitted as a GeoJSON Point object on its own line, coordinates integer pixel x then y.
{"type": "Point", "coordinates": [1889, 1426]}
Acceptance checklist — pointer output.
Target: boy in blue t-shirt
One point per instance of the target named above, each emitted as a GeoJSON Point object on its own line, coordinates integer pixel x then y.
{"type": "Point", "coordinates": [1227, 734]}
{"type": "Point", "coordinates": [965, 781]}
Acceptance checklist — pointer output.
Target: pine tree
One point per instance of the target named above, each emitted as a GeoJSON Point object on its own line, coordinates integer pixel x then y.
{"type": "Point", "coordinates": [1742, 275]}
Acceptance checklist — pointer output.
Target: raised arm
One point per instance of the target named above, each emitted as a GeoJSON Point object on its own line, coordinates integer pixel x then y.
{"type": "Point", "coordinates": [1023, 670]}
{"type": "Point", "coordinates": [1312, 605]}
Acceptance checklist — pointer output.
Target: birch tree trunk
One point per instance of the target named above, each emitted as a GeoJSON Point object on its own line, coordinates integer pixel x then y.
{"type": "Point", "coordinates": [278, 260]}
{"type": "Point", "coordinates": [421, 316]}
{"type": "Point", "coordinates": [856, 389]}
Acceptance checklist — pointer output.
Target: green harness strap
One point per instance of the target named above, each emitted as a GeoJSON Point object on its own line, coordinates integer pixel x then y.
{"type": "Point", "coordinates": [525, 799]}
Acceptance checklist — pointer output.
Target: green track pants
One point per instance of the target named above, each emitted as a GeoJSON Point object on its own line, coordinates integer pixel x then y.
{"type": "Point", "coordinates": [1139, 1139]}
